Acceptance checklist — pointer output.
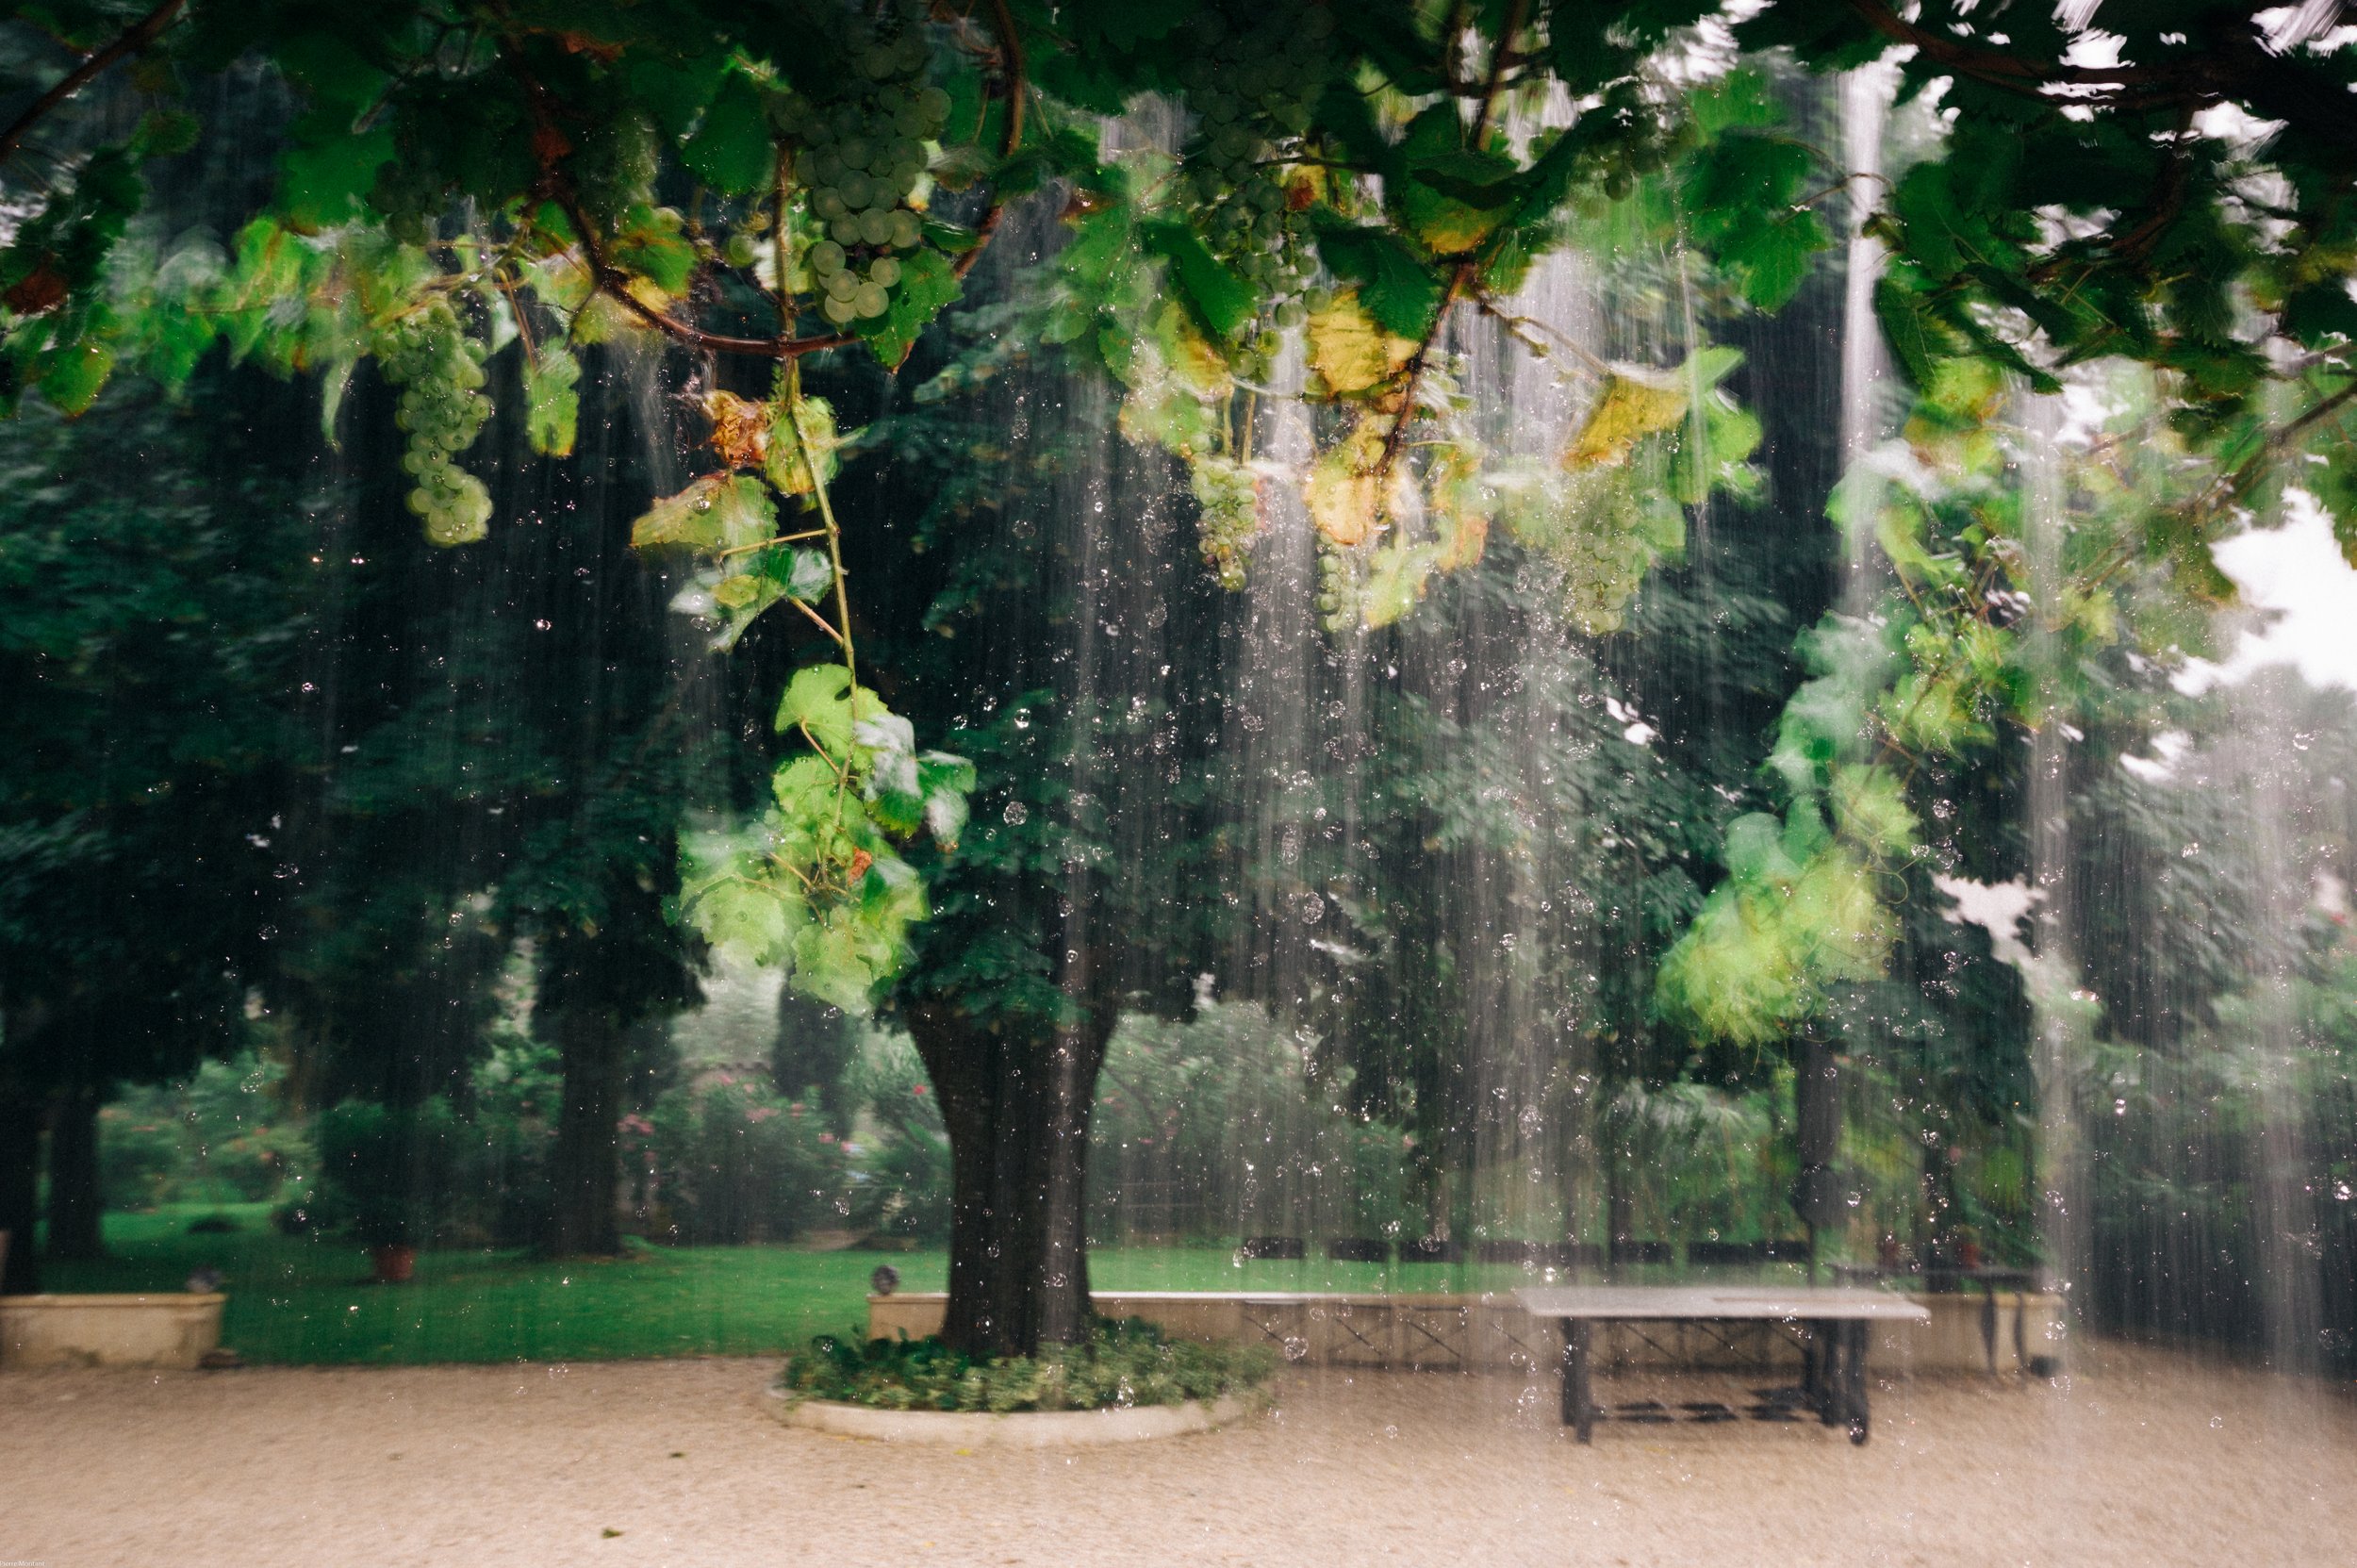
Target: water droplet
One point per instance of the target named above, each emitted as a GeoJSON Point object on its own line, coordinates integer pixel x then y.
{"type": "Point", "coordinates": [1017, 814]}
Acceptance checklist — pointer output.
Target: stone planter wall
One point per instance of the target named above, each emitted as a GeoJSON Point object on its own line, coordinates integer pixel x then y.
{"type": "Point", "coordinates": [1022, 1429]}
{"type": "Point", "coordinates": [108, 1330]}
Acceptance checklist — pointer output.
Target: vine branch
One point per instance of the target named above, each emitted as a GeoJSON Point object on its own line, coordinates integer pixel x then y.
{"type": "Point", "coordinates": [133, 40]}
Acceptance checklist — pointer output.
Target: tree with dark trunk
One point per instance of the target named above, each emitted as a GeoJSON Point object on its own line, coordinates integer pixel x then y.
{"type": "Point", "coordinates": [584, 1217]}
{"type": "Point", "coordinates": [1015, 1102]}
{"type": "Point", "coordinates": [615, 965]}
{"type": "Point", "coordinates": [76, 1198]}
{"type": "Point", "coordinates": [150, 617]}
{"type": "Point", "coordinates": [20, 1179]}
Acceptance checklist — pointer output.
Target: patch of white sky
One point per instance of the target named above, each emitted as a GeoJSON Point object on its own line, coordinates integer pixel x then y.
{"type": "Point", "coordinates": [2295, 577]}
{"type": "Point", "coordinates": [1997, 908]}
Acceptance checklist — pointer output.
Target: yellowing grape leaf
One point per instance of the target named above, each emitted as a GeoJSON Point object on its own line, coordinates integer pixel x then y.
{"type": "Point", "coordinates": [1188, 354]}
{"type": "Point", "coordinates": [1340, 492]}
{"type": "Point", "coordinates": [1351, 354]}
{"type": "Point", "coordinates": [1636, 403]}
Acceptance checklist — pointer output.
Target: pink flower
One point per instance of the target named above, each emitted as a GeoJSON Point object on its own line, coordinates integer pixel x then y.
{"type": "Point", "coordinates": [826, 1137]}
{"type": "Point", "coordinates": [916, 1089]}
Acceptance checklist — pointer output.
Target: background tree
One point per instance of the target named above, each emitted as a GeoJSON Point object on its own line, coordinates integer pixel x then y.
{"type": "Point", "coordinates": [154, 622]}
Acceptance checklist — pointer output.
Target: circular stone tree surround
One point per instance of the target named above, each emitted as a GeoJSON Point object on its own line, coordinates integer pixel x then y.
{"type": "Point", "coordinates": [1018, 1429]}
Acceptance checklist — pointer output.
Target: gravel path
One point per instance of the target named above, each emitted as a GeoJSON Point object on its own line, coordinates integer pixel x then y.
{"type": "Point", "coordinates": [2145, 1459]}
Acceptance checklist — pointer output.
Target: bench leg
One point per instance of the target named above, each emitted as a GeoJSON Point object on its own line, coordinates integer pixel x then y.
{"type": "Point", "coordinates": [1827, 1386]}
{"type": "Point", "coordinates": [1853, 1373]}
{"type": "Point", "coordinates": [1579, 1411]}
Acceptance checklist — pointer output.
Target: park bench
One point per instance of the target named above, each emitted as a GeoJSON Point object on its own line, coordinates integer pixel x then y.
{"type": "Point", "coordinates": [1831, 1325]}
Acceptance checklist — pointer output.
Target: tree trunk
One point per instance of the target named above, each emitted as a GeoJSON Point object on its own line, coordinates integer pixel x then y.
{"type": "Point", "coordinates": [1817, 1136]}
{"type": "Point", "coordinates": [587, 1174]}
{"type": "Point", "coordinates": [20, 1185]}
{"type": "Point", "coordinates": [1016, 1109]}
{"type": "Point", "coordinates": [74, 1199]}
{"type": "Point", "coordinates": [1619, 1208]}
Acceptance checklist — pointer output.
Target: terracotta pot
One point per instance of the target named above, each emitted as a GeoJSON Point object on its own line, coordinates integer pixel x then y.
{"type": "Point", "coordinates": [394, 1263]}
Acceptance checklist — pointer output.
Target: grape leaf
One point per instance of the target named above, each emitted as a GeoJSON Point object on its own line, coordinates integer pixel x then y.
{"type": "Point", "coordinates": [1397, 286]}
{"type": "Point", "coordinates": [730, 150]}
{"type": "Point", "coordinates": [1342, 496]}
{"type": "Point", "coordinates": [717, 512]}
{"type": "Point", "coordinates": [1350, 354]}
{"type": "Point", "coordinates": [927, 286]}
{"type": "Point", "coordinates": [552, 408]}
{"type": "Point", "coordinates": [1221, 301]}
{"type": "Point", "coordinates": [1636, 403]}
{"type": "Point", "coordinates": [820, 700]}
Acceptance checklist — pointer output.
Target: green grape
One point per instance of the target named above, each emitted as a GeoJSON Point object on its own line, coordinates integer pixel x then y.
{"type": "Point", "coordinates": [439, 369]}
{"type": "Point", "coordinates": [740, 251]}
{"type": "Point", "coordinates": [875, 126]}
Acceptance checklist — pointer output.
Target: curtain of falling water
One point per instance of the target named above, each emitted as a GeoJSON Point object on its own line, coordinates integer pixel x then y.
{"type": "Point", "coordinates": [2058, 1054]}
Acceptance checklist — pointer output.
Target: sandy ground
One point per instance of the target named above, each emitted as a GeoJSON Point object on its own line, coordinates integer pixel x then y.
{"type": "Point", "coordinates": [2143, 1458]}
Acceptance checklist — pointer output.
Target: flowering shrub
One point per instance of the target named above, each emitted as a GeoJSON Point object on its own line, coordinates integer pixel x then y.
{"type": "Point", "coordinates": [1121, 1364]}
{"type": "Point", "coordinates": [732, 1162]}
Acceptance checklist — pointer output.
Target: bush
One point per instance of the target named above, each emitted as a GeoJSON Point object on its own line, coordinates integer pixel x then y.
{"type": "Point", "coordinates": [257, 1163]}
{"type": "Point", "coordinates": [1121, 1364]}
{"type": "Point", "coordinates": [140, 1162]}
{"type": "Point", "coordinates": [389, 1172]}
{"type": "Point", "coordinates": [902, 1185]}
{"type": "Point", "coordinates": [735, 1162]}
{"type": "Point", "coordinates": [212, 1137]}
{"type": "Point", "coordinates": [518, 1092]}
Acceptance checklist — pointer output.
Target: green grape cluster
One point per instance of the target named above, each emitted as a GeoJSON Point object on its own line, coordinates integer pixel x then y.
{"type": "Point", "coordinates": [442, 408]}
{"type": "Point", "coordinates": [1339, 593]}
{"type": "Point", "coordinates": [1226, 495]}
{"type": "Point", "coordinates": [864, 155]}
{"type": "Point", "coordinates": [1649, 142]}
{"type": "Point", "coordinates": [1255, 81]}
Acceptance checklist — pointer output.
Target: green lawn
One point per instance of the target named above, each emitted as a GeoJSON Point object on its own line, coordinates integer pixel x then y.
{"type": "Point", "coordinates": [305, 1299]}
